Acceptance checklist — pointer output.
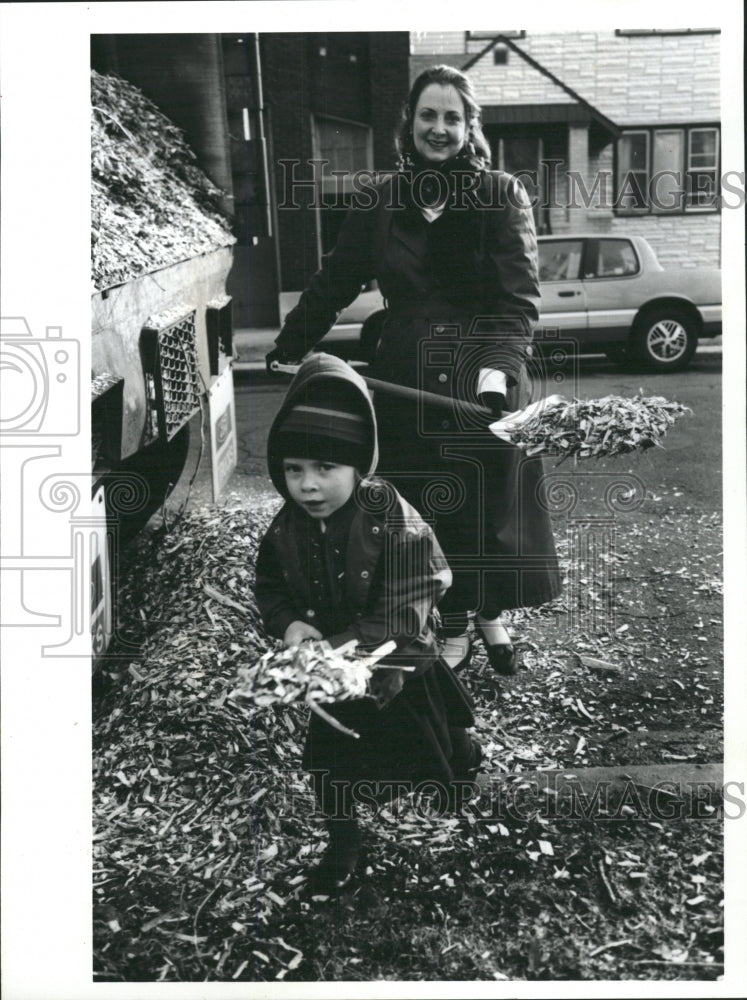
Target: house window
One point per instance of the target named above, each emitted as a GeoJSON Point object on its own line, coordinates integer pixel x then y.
{"type": "Point", "coordinates": [633, 171]}
{"type": "Point", "coordinates": [635, 32]}
{"type": "Point", "coordinates": [668, 170]}
{"type": "Point", "coordinates": [702, 167]}
{"type": "Point", "coordinates": [344, 148]}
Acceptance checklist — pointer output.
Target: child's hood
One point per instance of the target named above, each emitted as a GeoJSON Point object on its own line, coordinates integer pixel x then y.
{"type": "Point", "coordinates": [317, 369]}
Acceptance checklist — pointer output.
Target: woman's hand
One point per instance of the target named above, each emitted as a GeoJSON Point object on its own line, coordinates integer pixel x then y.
{"type": "Point", "coordinates": [495, 402]}
{"type": "Point", "coordinates": [298, 631]}
{"type": "Point", "coordinates": [279, 355]}
{"type": "Point", "coordinates": [386, 684]}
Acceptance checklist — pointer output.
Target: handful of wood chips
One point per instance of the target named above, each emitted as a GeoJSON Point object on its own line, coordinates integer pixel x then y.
{"type": "Point", "coordinates": [613, 425]}
{"type": "Point", "coordinates": [311, 673]}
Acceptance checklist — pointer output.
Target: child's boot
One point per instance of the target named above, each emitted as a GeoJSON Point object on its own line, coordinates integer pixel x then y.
{"type": "Point", "coordinates": [335, 871]}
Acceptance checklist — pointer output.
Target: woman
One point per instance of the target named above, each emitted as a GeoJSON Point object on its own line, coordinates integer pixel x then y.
{"type": "Point", "coordinates": [453, 248]}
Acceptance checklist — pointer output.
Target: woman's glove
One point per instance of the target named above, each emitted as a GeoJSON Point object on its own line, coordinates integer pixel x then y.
{"type": "Point", "coordinates": [279, 355]}
{"type": "Point", "coordinates": [385, 685]}
{"type": "Point", "coordinates": [495, 402]}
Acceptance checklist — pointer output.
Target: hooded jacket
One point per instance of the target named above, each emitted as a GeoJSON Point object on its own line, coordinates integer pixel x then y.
{"type": "Point", "coordinates": [394, 569]}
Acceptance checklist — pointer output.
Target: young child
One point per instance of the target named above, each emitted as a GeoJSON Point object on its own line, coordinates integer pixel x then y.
{"type": "Point", "coordinates": [347, 558]}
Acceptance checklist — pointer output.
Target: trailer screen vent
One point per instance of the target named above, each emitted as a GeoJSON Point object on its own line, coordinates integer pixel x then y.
{"type": "Point", "coordinates": [170, 362]}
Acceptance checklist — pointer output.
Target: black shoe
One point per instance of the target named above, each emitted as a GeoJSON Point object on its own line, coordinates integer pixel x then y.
{"type": "Point", "coordinates": [501, 655]}
{"type": "Point", "coordinates": [336, 869]}
{"type": "Point", "coordinates": [467, 770]}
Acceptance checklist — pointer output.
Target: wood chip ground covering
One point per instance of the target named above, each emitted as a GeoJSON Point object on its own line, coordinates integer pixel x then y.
{"type": "Point", "coordinates": [151, 206]}
{"type": "Point", "coordinates": [203, 831]}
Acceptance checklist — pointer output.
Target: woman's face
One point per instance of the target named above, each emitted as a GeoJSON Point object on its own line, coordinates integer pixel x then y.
{"type": "Point", "coordinates": [439, 127]}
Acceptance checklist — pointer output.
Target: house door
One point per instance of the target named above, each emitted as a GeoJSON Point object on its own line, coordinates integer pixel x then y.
{"type": "Point", "coordinates": [520, 149]}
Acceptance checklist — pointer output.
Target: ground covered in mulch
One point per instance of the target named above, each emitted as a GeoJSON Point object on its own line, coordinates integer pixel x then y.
{"type": "Point", "coordinates": [203, 825]}
{"type": "Point", "coordinates": [151, 205]}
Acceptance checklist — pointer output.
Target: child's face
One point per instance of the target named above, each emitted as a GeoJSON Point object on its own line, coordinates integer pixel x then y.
{"type": "Point", "coordinates": [320, 488]}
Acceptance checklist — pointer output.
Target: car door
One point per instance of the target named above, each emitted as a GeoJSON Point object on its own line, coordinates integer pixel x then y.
{"type": "Point", "coordinates": [563, 308]}
{"type": "Point", "coordinates": [612, 279]}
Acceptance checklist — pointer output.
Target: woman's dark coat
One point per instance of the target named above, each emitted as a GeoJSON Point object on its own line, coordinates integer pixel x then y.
{"type": "Point", "coordinates": [462, 294]}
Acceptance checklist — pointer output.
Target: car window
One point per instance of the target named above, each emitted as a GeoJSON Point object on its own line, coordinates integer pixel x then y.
{"type": "Point", "coordinates": [615, 258]}
{"type": "Point", "coordinates": [560, 261]}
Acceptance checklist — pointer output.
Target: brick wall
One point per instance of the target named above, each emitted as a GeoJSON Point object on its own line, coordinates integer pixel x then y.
{"type": "Point", "coordinates": [678, 240]}
{"type": "Point", "coordinates": [389, 61]}
{"type": "Point", "coordinates": [637, 80]}
{"type": "Point", "coordinates": [633, 80]}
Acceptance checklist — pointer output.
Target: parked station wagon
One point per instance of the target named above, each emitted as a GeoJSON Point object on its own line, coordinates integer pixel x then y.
{"type": "Point", "coordinates": [610, 293]}
{"type": "Point", "coordinates": [605, 293]}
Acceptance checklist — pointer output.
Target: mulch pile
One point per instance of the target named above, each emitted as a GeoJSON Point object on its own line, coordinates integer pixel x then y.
{"type": "Point", "coordinates": [591, 428]}
{"type": "Point", "coordinates": [203, 826]}
{"type": "Point", "coordinates": [151, 205]}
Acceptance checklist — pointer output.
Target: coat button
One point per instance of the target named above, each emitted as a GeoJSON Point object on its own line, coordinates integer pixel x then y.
{"type": "Point", "coordinates": [438, 329]}
{"type": "Point", "coordinates": [364, 574]}
{"type": "Point", "coordinates": [443, 377]}
{"type": "Point", "coordinates": [445, 424]}
{"type": "Point", "coordinates": [310, 613]}
{"type": "Point", "coordinates": [375, 529]}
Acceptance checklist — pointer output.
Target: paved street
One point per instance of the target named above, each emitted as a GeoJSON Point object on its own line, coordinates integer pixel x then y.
{"type": "Point", "coordinates": [690, 462]}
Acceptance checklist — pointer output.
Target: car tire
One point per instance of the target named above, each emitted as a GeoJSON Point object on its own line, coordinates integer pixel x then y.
{"type": "Point", "coordinates": [665, 339]}
{"type": "Point", "coordinates": [370, 335]}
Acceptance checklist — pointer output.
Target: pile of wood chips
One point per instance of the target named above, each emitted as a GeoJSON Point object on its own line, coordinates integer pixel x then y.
{"type": "Point", "coordinates": [311, 672]}
{"type": "Point", "coordinates": [151, 205]}
{"type": "Point", "coordinates": [591, 428]}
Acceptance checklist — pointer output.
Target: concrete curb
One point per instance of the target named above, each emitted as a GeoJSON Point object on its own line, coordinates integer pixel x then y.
{"type": "Point", "coordinates": [259, 366]}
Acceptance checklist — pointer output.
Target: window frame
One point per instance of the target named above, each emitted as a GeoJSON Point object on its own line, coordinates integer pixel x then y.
{"type": "Point", "coordinates": [327, 186]}
{"type": "Point", "coordinates": [593, 245]}
{"type": "Point", "coordinates": [565, 241]}
{"type": "Point", "coordinates": [643, 32]}
{"type": "Point", "coordinates": [684, 203]}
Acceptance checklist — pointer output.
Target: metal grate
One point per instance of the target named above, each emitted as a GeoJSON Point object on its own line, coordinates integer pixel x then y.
{"type": "Point", "coordinates": [170, 359]}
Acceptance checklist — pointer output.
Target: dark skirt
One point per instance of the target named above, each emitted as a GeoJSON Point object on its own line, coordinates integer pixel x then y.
{"type": "Point", "coordinates": [420, 736]}
{"type": "Point", "coordinates": [484, 500]}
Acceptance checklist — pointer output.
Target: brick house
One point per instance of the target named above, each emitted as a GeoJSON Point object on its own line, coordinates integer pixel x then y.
{"type": "Point", "coordinates": [613, 131]}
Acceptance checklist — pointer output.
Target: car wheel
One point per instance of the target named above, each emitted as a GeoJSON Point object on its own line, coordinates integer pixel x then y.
{"type": "Point", "coordinates": [370, 335]}
{"type": "Point", "coordinates": [665, 339]}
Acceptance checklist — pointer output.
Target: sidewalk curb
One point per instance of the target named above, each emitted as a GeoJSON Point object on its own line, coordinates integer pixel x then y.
{"type": "Point", "coordinates": [257, 366]}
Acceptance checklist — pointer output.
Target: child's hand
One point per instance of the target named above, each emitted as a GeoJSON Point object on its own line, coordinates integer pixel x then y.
{"type": "Point", "coordinates": [385, 684]}
{"type": "Point", "coordinates": [298, 631]}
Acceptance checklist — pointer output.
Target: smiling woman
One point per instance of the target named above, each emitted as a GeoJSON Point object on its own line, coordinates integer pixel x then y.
{"type": "Point", "coordinates": [439, 126]}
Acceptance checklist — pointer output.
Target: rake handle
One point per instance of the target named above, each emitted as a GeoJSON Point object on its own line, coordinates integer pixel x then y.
{"type": "Point", "coordinates": [405, 392]}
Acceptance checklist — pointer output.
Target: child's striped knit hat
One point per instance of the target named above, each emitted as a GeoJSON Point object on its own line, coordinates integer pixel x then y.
{"type": "Point", "coordinates": [327, 424]}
